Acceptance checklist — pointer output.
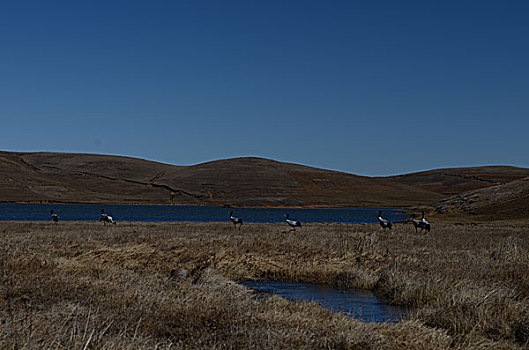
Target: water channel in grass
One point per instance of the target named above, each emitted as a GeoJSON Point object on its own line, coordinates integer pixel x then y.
{"type": "Point", "coordinates": [356, 303]}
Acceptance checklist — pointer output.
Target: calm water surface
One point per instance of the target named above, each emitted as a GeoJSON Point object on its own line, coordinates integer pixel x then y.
{"type": "Point", "coordinates": [174, 213]}
{"type": "Point", "coordinates": [359, 304]}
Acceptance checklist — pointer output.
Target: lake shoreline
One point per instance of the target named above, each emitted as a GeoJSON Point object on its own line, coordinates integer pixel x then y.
{"type": "Point", "coordinates": [165, 213]}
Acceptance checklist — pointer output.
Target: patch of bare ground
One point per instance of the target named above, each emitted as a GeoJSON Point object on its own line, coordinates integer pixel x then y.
{"type": "Point", "coordinates": [83, 285]}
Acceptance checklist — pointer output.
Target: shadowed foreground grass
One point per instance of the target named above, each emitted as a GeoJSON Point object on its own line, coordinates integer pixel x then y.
{"type": "Point", "coordinates": [85, 285]}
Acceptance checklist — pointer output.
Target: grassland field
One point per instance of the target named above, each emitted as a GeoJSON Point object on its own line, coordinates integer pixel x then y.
{"type": "Point", "coordinates": [89, 286]}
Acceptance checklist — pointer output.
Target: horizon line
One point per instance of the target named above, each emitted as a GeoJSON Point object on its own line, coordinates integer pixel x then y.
{"type": "Point", "coordinates": [265, 158]}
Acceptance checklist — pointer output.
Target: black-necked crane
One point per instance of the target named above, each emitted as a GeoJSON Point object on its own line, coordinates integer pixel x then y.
{"type": "Point", "coordinates": [54, 216]}
{"type": "Point", "coordinates": [425, 224]}
{"type": "Point", "coordinates": [292, 223]}
{"type": "Point", "coordinates": [106, 218]}
{"type": "Point", "coordinates": [235, 220]}
{"type": "Point", "coordinates": [383, 222]}
{"type": "Point", "coordinates": [416, 223]}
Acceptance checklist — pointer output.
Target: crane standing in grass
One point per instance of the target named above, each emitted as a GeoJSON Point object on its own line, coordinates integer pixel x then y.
{"type": "Point", "coordinates": [54, 216]}
{"type": "Point", "coordinates": [425, 224]}
{"type": "Point", "coordinates": [422, 224]}
{"type": "Point", "coordinates": [383, 222]}
{"type": "Point", "coordinates": [235, 220]}
{"type": "Point", "coordinates": [416, 223]}
{"type": "Point", "coordinates": [106, 218]}
{"type": "Point", "coordinates": [292, 223]}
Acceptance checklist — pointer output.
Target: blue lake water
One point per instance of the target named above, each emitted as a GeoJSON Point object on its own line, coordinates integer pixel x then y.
{"type": "Point", "coordinates": [174, 213]}
{"type": "Point", "coordinates": [357, 303]}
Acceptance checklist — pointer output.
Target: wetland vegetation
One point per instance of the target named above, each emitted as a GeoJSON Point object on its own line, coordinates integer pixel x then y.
{"type": "Point", "coordinates": [84, 285]}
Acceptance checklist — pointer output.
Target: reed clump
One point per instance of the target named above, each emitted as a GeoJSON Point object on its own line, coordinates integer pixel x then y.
{"type": "Point", "coordinates": [84, 285]}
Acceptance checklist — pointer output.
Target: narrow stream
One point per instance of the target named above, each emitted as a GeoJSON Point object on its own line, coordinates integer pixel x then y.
{"type": "Point", "coordinates": [357, 303]}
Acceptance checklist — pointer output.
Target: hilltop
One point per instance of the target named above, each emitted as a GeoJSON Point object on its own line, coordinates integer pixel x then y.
{"type": "Point", "coordinates": [88, 178]}
{"type": "Point", "coordinates": [453, 181]}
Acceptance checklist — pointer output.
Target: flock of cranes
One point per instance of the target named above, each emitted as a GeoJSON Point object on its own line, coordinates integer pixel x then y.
{"type": "Point", "coordinates": [386, 224]}
{"type": "Point", "coordinates": [107, 219]}
{"type": "Point", "coordinates": [422, 224]}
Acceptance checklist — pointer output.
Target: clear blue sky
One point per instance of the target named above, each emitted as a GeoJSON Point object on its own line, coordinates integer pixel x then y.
{"type": "Point", "coordinates": [372, 87]}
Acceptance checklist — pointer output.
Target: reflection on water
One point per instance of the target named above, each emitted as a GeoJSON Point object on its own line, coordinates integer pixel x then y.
{"type": "Point", "coordinates": [359, 304]}
{"type": "Point", "coordinates": [175, 213]}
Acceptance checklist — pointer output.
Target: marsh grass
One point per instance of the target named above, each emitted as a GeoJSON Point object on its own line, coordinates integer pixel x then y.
{"type": "Point", "coordinates": [84, 285]}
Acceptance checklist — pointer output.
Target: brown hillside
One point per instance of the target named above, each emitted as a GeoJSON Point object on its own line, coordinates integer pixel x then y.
{"type": "Point", "coordinates": [87, 178]}
{"type": "Point", "coordinates": [452, 181]}
{"type": "Point", "coordinates": [507, 201]}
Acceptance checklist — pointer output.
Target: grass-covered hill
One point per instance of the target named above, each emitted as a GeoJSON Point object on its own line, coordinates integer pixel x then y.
{"type": "Point", "coordinates": [453, 181]}
{"type": "Point", "coordinates": [254, 182]}
{"type": "Point", "coordinates": [89, 178]}
{"type": "Point", "coordinates": [506, 201]}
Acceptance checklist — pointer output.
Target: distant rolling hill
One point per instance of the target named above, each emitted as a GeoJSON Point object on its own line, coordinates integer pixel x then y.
{"type": "Point", "coordinates": [453, 181]}
{"type": "Point", "coordinates": [506, 201]}
{"type": "Point", "coordinates": [87, 178]}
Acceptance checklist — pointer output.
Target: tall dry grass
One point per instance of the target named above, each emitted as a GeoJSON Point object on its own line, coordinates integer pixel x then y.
{"type": "Point", "coordinates": [84, 285]}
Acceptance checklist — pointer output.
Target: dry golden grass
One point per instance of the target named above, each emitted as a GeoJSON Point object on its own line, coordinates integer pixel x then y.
{"type": "Point", "coordinates": [85, 285]}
